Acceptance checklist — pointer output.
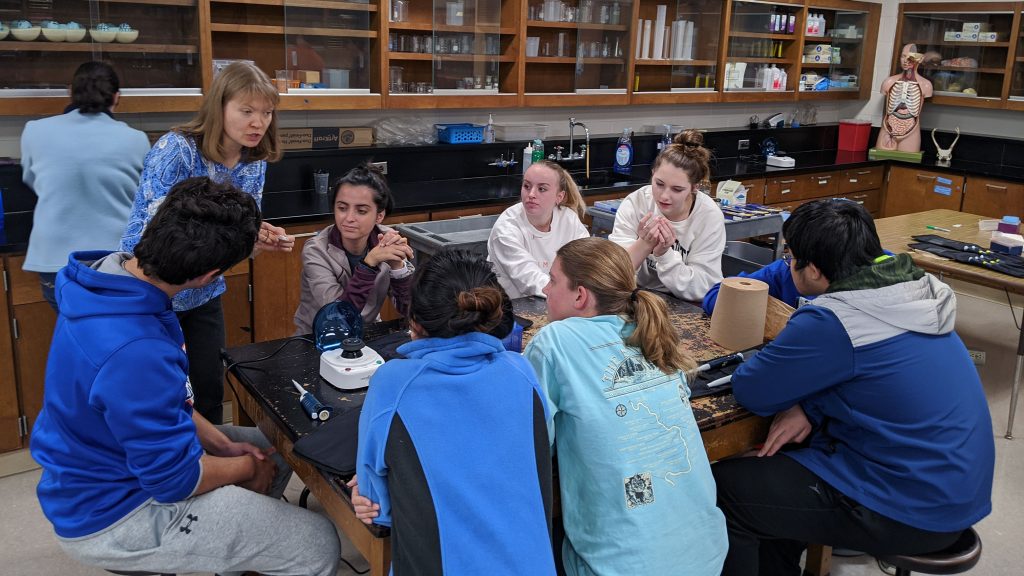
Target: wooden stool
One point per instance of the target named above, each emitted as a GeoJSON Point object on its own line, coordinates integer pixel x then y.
{"type": "Point", "coordinates": [960, 557]}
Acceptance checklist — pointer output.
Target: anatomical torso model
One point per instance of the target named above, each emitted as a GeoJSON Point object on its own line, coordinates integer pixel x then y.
{"type": "Point", "coordinates": [904, 99]}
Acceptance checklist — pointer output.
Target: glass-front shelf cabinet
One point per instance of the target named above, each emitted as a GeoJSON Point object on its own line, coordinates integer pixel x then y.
{"type": "Point", "coordinates": [763, 51]}
{"type": "Point", "coordinates": [451, 53]}
{"type": "Point", "coordinates": [579, 48]}
{"type": "Point", "coordinates": [1016, 95]}
{"type": "Point", "coordinates": [839, 47]}
{"type": "Point", "coordinates": [679, 64]}
{"type": "Point", "coordinates": [966, 53]}
{"type": "Point", "coordinates": [153, 45]}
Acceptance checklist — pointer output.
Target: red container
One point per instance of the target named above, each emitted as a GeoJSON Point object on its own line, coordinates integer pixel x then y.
{"type": "Point", "coordinates": [854, 134]}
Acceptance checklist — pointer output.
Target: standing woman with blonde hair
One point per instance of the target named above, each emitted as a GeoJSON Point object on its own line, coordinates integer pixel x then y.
{"type": "Point", "coordinates": [231, 139]}
{"type": "Point", "coordinates": [637, 492]}
{"type": "Point", "coordinates": [675, 235]}
{"type": "Point", "coordinates": [525, 237]}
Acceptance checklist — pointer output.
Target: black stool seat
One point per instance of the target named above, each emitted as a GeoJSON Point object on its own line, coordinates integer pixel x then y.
{"type": "Point", "coordinates": [960, 557]}
{"type": "Point", "coordinates": [137, 573]}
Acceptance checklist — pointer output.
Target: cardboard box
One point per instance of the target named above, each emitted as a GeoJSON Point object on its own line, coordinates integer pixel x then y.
{"type": "Point", "coordinates": [988, 37]}
{"type": "Point", "coordinates": [952, 36]}
{"type": "Point", "coordinates": [309, 76]}
{"type": "Point", "coordinates": [972, 27]}
{"type": "Point", "coordinates": [324, 138]}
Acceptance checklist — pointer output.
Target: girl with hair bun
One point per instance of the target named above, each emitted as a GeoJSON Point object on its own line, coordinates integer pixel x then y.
{"type": "Point", "coordinates": [636, 485]}
{"type": "Point", "coordinates": [675, 235]}
{"type": "Point", "coordinates": [525, 237]}
{"type": "Point", "coordinates": [453, 450]}
{"type": "Point", "coordinates": [356, 259]}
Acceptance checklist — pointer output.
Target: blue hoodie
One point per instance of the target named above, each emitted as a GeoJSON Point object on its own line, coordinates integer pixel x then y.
{"type": "Point", "coordinates": [776, 275]}
{"type": "Point", "coordinates": [453, 446]}
{"type": "Point", "coordinates": [116, 427]}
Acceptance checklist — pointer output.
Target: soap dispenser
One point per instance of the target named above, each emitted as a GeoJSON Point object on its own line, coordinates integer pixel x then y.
{"type": "Point", "coordinates": [624, 153]}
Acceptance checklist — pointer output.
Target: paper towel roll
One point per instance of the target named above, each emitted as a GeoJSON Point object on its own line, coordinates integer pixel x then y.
{"type": "Point", "coordinates": [738, 320]}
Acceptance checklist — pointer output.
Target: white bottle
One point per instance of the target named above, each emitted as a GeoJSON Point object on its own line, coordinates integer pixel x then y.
{"type": "Point", "coordinates": [489, 129]}
{"type": "Point", "coordinates": [776, 78]}
{"type": "Point", "coordinates": [784, 79]}
{"type": "Point", "coordinates": [765, 78]}
{"type": "Point", "coordinates": [527, 156]}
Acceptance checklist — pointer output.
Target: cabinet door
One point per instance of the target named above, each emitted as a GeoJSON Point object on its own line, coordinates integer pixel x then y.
{"type": "Point", "coordinates": [820, 185]}
{"type": "Point", "coordinates": [237, 308]}
{"type": "Point", "coordinates": [869, 199]}
{"type": "Point", "coordinates": [33, 323]}
{"type": "Point", "coordinates": [994, 198]}
{"type": "Point", "coordinates": [912, 190]}
{"type": "Point", "coordinates": [783, 189]}
{"type": "Point", "coordinates": [9, 410]}
{"type": "Point", "coordinates": [755, 190]}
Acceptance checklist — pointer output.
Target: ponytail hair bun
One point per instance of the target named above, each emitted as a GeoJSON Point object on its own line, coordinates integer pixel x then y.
{"type": "Point", "coordinates": [455, 292]}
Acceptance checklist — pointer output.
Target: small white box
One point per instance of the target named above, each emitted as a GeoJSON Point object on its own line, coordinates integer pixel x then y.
{"type": "Point", "coordinates": [988, 36]}
{"type": "Point", "coordinates": [952, 36]}
{"type": "Point", "coordinates": [977, 27]}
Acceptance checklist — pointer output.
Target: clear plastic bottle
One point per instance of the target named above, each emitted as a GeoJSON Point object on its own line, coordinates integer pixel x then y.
{"type": "Point", "coordinates": [616, 13]}
{"type": "Point", "coordinates": [489, 129]}
{"type": "Point", "coordinates": [624, 153]}
{"type": "Point", "coordinates": [527, 157]}
{"type": "Point", "coordinates": [538, 150]}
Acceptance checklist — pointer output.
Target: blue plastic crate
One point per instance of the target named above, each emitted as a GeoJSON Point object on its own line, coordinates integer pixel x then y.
{"type": "Point", "coordinates": [460, 133]}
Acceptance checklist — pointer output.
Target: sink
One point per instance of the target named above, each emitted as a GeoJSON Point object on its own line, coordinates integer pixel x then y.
{"type": "Point", "coordinates": [599, 178]}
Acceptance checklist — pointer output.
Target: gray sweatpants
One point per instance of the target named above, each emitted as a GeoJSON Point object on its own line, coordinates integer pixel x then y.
{"type": "Point", "coordinates": [229, 531]}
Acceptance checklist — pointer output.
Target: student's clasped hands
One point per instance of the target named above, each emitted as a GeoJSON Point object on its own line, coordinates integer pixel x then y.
{"type": "Point", "coordinates": [788, 426]}
{"type": "Point", "coordinates": [366, 510]}
{"type": "Point", "coordinates": [656, 232]}
{"type": "Point", "coordinates": [390, 248]}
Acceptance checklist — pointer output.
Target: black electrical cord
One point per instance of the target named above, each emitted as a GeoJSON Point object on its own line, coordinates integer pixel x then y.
{"type": "Point", "coordinates": [271, 355]}
{"type": "Point", "coordinates": [353, 568]}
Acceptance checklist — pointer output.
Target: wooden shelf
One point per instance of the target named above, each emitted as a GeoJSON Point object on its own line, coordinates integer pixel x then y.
{"type": "Point", "coordinates": [48, 105]}
{"type": "Point", "coordinates": [763, 35]}
{"type": "Point", "coordinates": [550, 60]}
{"type": "Point", "coordinates": [576, 25]}
{"type": "Point", "coordinates": [970, 44]}
{"type": "Point", "coordinates": [430, 101]}
{"type": "Point", "coordinates": [154, 2]}
{"type": "Point", "coordinates": [282, 30]}
{"type": "Point", "coordinates": [450, 57]}
{"type": "Point", "coordinates": [674, 97]}
{"type": "Point", "coordinates": [429, 27]}
{"type": "Point", "coordinates": [327, 4]}
{"type": "Point", "coordinates": [547, 100]}
{"type": "Point", "coordinates": [815, 65]}
{"type": "Point", "coordinates": [1019, 59]}
{"type": "Point", "coordinates": [329, 102]}
{"type": "Point", "coordinates": [759, 60]}
{"type": "Point", "coordinates": [651, 62]}
{"type": "Point", "coordinates": [112, 47]}
{"type": "Point", "coordinates": [963, 69]}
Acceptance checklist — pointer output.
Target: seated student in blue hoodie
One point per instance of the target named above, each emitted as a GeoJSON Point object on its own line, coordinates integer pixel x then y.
{"type": "Point", "coordinates": [899, 454]}
{"type": "Point", "coordinates": [776, 275]}
{"type": "Point", "coordinates": [453, 444]}
{"type": "Point", "coordinates": [133, 479]}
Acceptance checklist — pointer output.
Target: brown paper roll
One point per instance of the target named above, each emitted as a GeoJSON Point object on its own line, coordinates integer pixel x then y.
{"type": "Point", "coordinates": [738, 320]}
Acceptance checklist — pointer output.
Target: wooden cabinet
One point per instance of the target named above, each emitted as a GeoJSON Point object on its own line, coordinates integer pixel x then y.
{"type": "Point", "coordinates": [858, 179]}
{"type": "Point", "coordinates": [764, 41]}
{"type": "Point", "coordinates": [236, 304]}
{"type": "Point", "coordinates": [869, 199]}
{"type": "Point", "coordinates": [911, 189]}
{"type": "Point", "coordinates": [10, 409]}
{"type": "Point", "coordinates": [160, 68]}
{"type": "Point", "coordinates": [683, 69]}
{"type": "Point", "coordinates": [1015, 97]}
{"type": "Point", "coordinates": [973, 47]}
{"type": "Point", "coordinates": [32, 323]}
{"type": "Point", "coordinates": [993, 198]}
{"type": "Point", "coordinates": [862, 185]}
{"type": "Point", "coordinates": [755, 189]}
{"type": "Point", "coordinates": [850, 30]}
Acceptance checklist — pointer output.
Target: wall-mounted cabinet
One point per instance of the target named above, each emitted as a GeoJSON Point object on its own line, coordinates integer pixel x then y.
{"type": "Point", "coordinates": [1015, 98]}
{"type": "Point", "coordinates": [320, 53]}
{"type": "Point", "coordinates": [840, 39]}
{"type": "Point", "coordinates": [155, 45]}
{"type": "Point", "coordinates": [680, 64]}
{"type": "Point", "coordinates": [576, 52]}
{"type": "Point", "coordinates": [452, 53]}
{"type": "Point", "coordinates": [367, 54]}
{"type": "Point", "coordinates": [969, 49]}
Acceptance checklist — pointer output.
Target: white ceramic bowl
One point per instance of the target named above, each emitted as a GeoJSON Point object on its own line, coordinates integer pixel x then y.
{"type": "Point", "coordinates": [127, 36]}
{"type": "Point", "coordinates": [75, 35]}
{"type": "Point", "coordinates": [55, 34]}
{"type": "Point", "coordinates": [4, 31]}
{"type": "Point", "coordinates": [26, 34]}
{"type": "Point", "coordinates": [102, 35]}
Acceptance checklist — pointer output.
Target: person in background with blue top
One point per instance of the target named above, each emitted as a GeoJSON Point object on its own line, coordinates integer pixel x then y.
{"type": "Point", "coordinates": [133, 479]}
{"type": "Point", "coordinates": [900, 455]}
{"type": "Point", "coordinates": [231, 139]}
{"type": "Point", "coordinates": [84, 191]}
{"type": "Point", "coordinates": [637, 492]}
{"type": "Point", "coordinates": [453, 450]}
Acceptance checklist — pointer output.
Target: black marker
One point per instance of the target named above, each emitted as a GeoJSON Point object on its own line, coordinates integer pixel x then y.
{"type": "Point", "coordinates": [721, 362]}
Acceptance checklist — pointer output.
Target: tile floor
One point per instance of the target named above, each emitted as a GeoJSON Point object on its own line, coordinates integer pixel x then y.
{"type": "Point", "coordinates": [28, 546]}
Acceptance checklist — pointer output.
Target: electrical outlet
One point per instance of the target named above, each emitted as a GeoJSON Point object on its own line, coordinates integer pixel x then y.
{"type": "Point", "coordinates": [977, 356]}
{"type": "Point", "coordinates": [743, 145]}
{"type": "Point", "coordinates": [382, 166]}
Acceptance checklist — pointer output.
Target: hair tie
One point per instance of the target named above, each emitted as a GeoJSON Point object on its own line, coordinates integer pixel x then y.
{"type": "Point", "coordinates": [632, 295]}
{"type": "Point", "coordinates": [691, 144]}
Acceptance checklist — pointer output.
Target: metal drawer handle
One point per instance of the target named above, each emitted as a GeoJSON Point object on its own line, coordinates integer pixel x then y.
{"type": "Point", "coordinates": [924, 177]}
{"type": "Point", "coordinates": [863, 172]}
{"type": "Point", "coordinates": [859, 196]}
{"type": "Point", "coordinates": [994, 187]}
{"type": "Point", "coordinates": [786, 191]}
{"type": "Point", "coordinates": [821, 177]}
{"type": "Point", "coordinates": [853, 180]}
{"type": "Point", "coordinates": [786, 181]}
{"type": "Point", "coordinates": [822, 182]}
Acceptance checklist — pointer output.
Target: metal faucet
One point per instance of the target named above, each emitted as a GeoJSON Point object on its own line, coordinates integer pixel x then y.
{"type": "Point", "coordinates": [582, 154]}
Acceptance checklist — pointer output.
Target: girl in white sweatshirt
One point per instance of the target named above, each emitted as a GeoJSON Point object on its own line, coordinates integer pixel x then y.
{"type": "Point", "coordinates": [524, 239]}
{"type": "Point", "coordinates": [675, 235]}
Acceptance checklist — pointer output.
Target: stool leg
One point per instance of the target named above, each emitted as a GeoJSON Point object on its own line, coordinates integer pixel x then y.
{"type": "Point", "coordinates": [1016, 385]}
{"type": "Point", "coordinates": [304, 498]}
{"type": "Point", "coordinates": [902, 572]}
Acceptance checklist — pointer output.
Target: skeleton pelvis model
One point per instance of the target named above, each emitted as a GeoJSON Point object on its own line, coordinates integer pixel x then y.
{"type": "Point", "coordinates": [903, 108]}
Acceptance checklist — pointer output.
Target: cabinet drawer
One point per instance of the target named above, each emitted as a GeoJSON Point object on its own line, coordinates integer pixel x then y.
{"type": "Point", "coordinates": [993, 198]}
{"type": "Point", "coordinates": [861, 179]}
{"type": "Point", "coordinates": [869, 199]}
{"type": "Point", "coordinates": [755, 190]}
{"type": "Point", "coordinates": [784, 189]}
{"type": "Point", "coordinates": [821, 185]}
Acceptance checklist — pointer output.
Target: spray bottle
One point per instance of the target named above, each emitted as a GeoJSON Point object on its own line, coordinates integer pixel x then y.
{"type": "Point", "coordinates": [624, 153]}
{"type": "Point", "coordinates": [666, 139]}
